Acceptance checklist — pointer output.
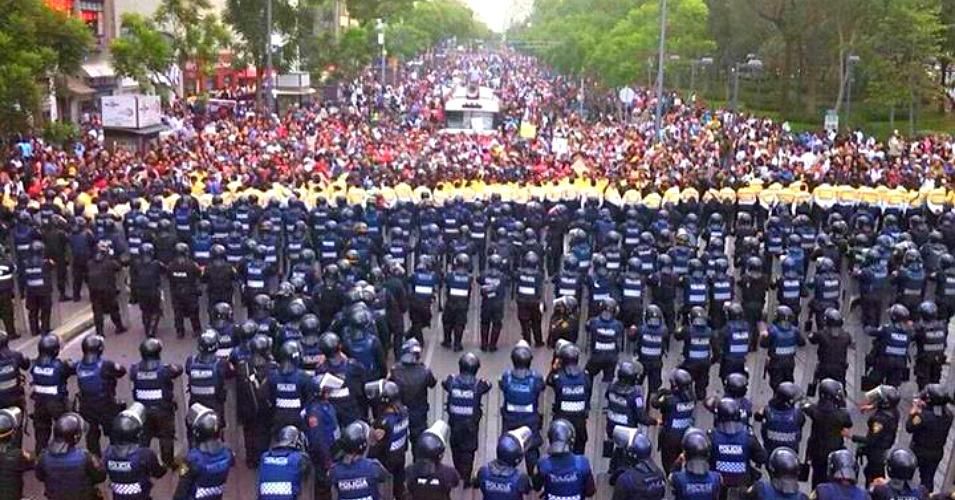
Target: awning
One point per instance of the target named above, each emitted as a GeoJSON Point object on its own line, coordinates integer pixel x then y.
{"type": "Point", "coordinates": [128, 83]}
{"type": "Point", "coordinates": [76, 86]}
{"type": "Point", "coordinates": [102, 69]}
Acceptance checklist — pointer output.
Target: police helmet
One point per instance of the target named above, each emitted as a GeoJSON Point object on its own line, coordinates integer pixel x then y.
{"type": "Point", "coordinates": [569, 354]}
{"type": "Point", "coordinates": [410, 351]}
{"type": "Point", "coordinates": [831, 390]}
{"type": "Point", "coordinates": [182, 250]}
{"type": "Point", "coordinates": [901, 464]}
{"type": "Point", "coordinates": [209, 341]}
{"type": "Point", "coordinates": [727, 410]}
{"type": "Point", "coordinates": [653, 315]}
{"type": "Point", "coordinates": [629, 371]}
{"type": "Point", "coordinates": [10, 419]}
{"type": "Point", "coordinates": [898, 313]}
{"type": "Point", "coordinates": [93, 344]}
{"type": "Point", "coordinates": [935, 395]}
{"type": "Point", "coordinates": [469, 363]}
{"type": "Point", "coordinates": [784, 314]}
{"type": "Point", "coordinates": [68, 428]}
{"type": "Point", "coordinates": [222, 311]}
{"type": "Point", "coordinates": [128, 424]}
{"type": "Point", "coordinates": [247, 329]}
{"type": "Point", "coordinates": [734, 311]}
{"type": "Point", "coordinates": [736, 385]}
{"type": "Point", "coordinates": [355, 438]}
{"type": "Point", "coordinates": [290, 352]}
{"type": "Point", "coordinates": [330, 344]}
{"type": "Point", "coordinates": [928, 311]}
{"type": "Point", "coordinates": [787, 393]}
{"type": "Point", "coordinates": [783, 467]}
{"type": "Point", "coordinates": [884, 396]}
{"type": "Point", "coordinates": [289, 437]}
{"type": "Point", "coordinates": [841, 465]}
{"type": "Point", "coordinates": [521, 355]}
{"type": "Point", "coordinates": [150, 348]}
{"type": "Point", "coordinates": [49, 345]}
{"type": "Point", "coordinates": [261, 345]}
{"type": "Point", "coordinates": [681, 379]}
{"type": "Point", "coordinates": [832, 317]}
{"type": "Point", "coordinates": [310, 325]}
{"type": "Point", "coordinates": [509, 449]}
{"type": "Point", "coordinates": [561, 436]}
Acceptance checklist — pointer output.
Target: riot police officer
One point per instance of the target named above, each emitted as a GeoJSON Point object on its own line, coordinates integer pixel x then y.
{"type": "Point", "coordinates": [842, 470]}
{"type": "Point", "coordinates": [131, 467]}
{"type": "Point", "coordinates": [698, 342]}
{"type": "Point", "coordinates": [153, 388]}
{"type": "Point", "coordinates": [8, 271]}
{"type": "Point", "coordinates": [931, 335]}
{"type": "Point", "coordinates": [144, 274]}
{"type": "Point", "coordinates": [390, 430]}
{"type": "Point", "coordinates": [639, 477]}
{"type": "Point", "coordinates": [204, 470]}
{"type": "Point", "coordinates": [494, 286]}
{"type": "Point", "coordinates": [355, 476]}
{"type": "Point", "coordinates": [881, 429]}
{"type": "Point", "coordinates": [81, 250]}
{"type": "Point", "coordinates": [253, 395]}
{"type": "Point", "coordinates": [734, 447]}
{"type": "Point", "coordinates": [572, 388]}
{"type": "Point", "coordinates": [220, 277]}
{"type": "Point", "coordinates": [50, 394]}
{"type": "Point", "coordinates": [889, 359]}
{"type": "Point", "coordinates": [463, 404]}
{"type": "Point", "coordinates": [929, 421]}
{"type": "Point", "coordinates": [651, 339]}
{"type": "Point", "coordinates": [423, 283]}
{"type": "Point", "coordinates": [782, 421]}
{"type": "Point", "coordinates": [68, 472]}
{"type": "Point", "coordinates": [626, 406]}
{"type": "Point", "coordinates": [284, 467]}
{"type": "Point", "coordinates": [677, 406]}
{"type": "Point", "coordinates": [458, 286]}
{"type": "Point", "coordinates": [96, 378]}
{"type": "Point", "coordinates": [414, 380]}
{"type": "Point", "coordinates": [734, 341]}
{"type": "Point", "coordinates": [696, 480]}
{"type": "Point", "coordinates": [14, 461]}
{"type": "Point", "coordinates": [564, 473]}
{"type": "Point", "coordinates": [500, 479]}
{"type": "Point", "coordinates": [833, 348]}
{"type": "Point", "coordinates": [605, 333]}
{"type": "Point", "coordinates": [564, 321]}
{"type": "Point", "coordinates": [37, 280]}
{"type": "Point", "coordinates": [12, 364]}
{"type": "Point", "coordinates": [103, 271]}
{"type": "Point", "coordinates": [521, 387]}
{"type": "Point", "coordinates": [322, 430]}
{"type": "Point", "coordinates": [427, 477]}
{"type": "Point", "coordinates": [830, 426]}
{"type": "Point", "coordinates": [900, 468]}
{"type": "Point", "coordinates": [207, 373]}
{"type": "Point", "coordinates": [184, 275]}
{"type": "Point", "coordinates": [782, 339]}
{"type": "Point", "coordinates": [288, 388]}
{"type": "Point", "coordinates": [783, 467]}
{"type": "Point", "coordinates": [530, 293]}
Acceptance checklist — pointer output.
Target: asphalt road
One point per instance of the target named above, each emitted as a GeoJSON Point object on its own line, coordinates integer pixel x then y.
{"type": "Point", "coordinates": [124, 349]}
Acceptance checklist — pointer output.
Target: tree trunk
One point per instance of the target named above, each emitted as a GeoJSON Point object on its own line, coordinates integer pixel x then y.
{"type": "Point", "coordinates": [911, 113]}
{"type": "Point", "coordinates": [943, 80]}
{"type": "Point", "coordinates": [892, 117]}
{"type": "Point", "coordinates": [786, 75]}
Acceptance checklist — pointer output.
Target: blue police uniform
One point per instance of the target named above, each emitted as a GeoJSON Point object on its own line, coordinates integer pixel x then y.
{"type": "Point", "coordinates": [130, 471]}
{"type": "Point", "coordinates": [210, 471]}
{"type": "Point", "coordinates": [689, 486]}
{"type": "Point", "coordinates": [358, 480]}
{"type": "Point", "coordinates": [782, 427]}
{"type": "Point", "coordinates": [499, 482]}
{"type": "Point", "coordinates": [565, 477]}
{"type": "Point", "coordinates": [731, 455]}
{"type": "Point", "coordinates": [280, 474]}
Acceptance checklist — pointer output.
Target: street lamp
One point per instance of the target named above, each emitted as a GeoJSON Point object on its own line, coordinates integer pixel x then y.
{"type": "Point", "coordinates": [752, 64]}
{"type": "Point", "coordinates": [704, 62]}
{"type": "Point", "coordinates": [851, 61]}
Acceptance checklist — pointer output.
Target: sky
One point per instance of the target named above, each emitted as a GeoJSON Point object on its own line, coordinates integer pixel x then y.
{"type": "Point", "coordinates": [498, 14]}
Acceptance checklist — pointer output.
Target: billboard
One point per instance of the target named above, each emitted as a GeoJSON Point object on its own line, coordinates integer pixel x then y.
{"type": "Point", "coordinates": [131, 111]}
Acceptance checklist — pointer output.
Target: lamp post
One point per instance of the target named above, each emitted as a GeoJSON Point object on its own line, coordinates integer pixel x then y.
{"type": "Point", "coordinates": [268, 56]}
{"type": "Point", "coordinates": [851, 61]}
{"type": "Point", "coordinates": [752, 63]}
{"type": "Point", "coordinates": [704, 62]}
{"type": "Point", "coordinates": [658, 116]}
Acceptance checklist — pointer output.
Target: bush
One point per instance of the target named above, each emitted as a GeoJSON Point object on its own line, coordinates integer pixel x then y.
{"type": "Point", "coordinates": [60, 133]}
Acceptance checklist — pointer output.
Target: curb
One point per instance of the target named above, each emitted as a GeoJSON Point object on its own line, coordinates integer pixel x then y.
{"type": "Point", "coordinates": [75, 326]}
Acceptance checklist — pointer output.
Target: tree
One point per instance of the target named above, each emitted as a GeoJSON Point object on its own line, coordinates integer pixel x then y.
{"type": "Point", "coordinates": [197, 35]}
{"type": "Point", "coordinates": [35, 42]}
{"type": "Point", "coordinates": [141, 50]}
{"type": "Point", "coordinates": [247, 18]}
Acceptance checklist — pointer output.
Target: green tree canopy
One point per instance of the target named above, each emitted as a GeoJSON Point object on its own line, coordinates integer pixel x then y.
{"type": "Point", "coordinates": [141, 50]}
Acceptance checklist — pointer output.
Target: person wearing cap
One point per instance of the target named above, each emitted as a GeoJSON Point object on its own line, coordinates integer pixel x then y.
{"type": "Point", "coordinates": [881, 429]}
{"type": "Point", "coordinates": [465, 392]}
{"type": "Point", "coordinates": [735, 448]}
{"type": "Point", "coordinates": [427, 477]}
{"type": "Point", "coordinates": [414, 380]}
{"type": "Point", "coordinates": [204, 471]}
{"type": "Point", "coordinates": [521, 387]}
{"type": "Point", "coordinates": [638, 476]}
{"type": "Point", "coordinates": [152, 382]}
{"type": "Point", "coordinates": [783, 483]}
{"type": "Point", "coordinates": [843, 472]}
{"type": "Point", "coordinates": [831, 425]}
{"type": "Point", "coordinates": [500, 479]}
{"type": "Point", "coordinates": [900, 468]}
{"type": "Point", "coordinates": [572, 389]}
{"type": "Point", "coordinates": [284, 467]}
{"type": "Point", "coordinates": [322, 430]}
{"type": "Point", "coordinates": [695, 480]}
{"type": "Point", "coordinates": [14, 460]}
{"type": "Point", "coordinates": [66, 471]}
{"type": "Point", "coordinates": [390, 430]}
{"type": "Point", "coordinates": [564, 473]}
{"type": "Point", "coordinates": [131, 467]}
{"type": "Point", "coordinates": [349, 405]}
{"type": "Point", "coordinates": [929, 421]}
{"type": "Point", "coordinates": [96, 378]}
{"type": "Point", "coordinates": [355, 476]}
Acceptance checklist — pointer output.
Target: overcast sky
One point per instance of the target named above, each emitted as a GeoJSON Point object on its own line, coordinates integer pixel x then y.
{"type": "Point", "coordinates": [497, 14]}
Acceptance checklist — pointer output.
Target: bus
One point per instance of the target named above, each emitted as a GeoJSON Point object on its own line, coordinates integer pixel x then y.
{"type": "Point", "coordinates": [472, 109]}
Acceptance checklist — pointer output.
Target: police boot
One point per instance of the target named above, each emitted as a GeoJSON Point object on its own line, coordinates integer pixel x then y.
{"type": "Point", "coordinates": [495, 334]}
{"type": "Point", "coordinates": [485, 335]}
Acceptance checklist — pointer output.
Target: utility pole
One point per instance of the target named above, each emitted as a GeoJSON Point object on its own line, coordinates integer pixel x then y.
{"type": "Point", "coordinates": [851, 61]}
{"type": "Point", "coordinates": [268, 56]}
{"type": "Point", "coordinates": [381, 41]}
{"type": "Point", "coordinates": [658, 118]}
